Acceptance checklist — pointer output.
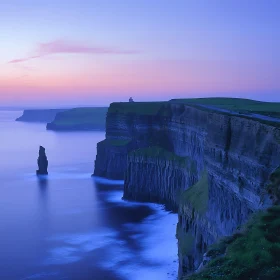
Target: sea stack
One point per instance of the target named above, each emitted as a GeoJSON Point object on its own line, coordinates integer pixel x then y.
{"type": "Point", "coordinates": [42, 162]}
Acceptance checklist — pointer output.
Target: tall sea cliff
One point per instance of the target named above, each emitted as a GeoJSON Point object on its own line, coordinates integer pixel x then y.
{"type": "Point", "coordinates": [209, 165]}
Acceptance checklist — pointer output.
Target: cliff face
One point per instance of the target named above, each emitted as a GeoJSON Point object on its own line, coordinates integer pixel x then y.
{"type": "Point", "coordinates": [154, 174]}
{"type": "Point", "coordinates": [111, 159]}
{"type": "Point", "coordinates": [124, 133]}
{"type": "Point", "coordinates": [234, 154]}
{"type": "Point", "coordinates": [239, 155]}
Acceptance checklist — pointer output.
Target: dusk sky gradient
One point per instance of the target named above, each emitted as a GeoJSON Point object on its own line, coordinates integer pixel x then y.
{"type": "Point", "coordinates": [75, 53]}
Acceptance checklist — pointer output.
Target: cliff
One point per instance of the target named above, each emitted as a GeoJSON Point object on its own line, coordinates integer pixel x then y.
{"type": "Point", "coordinates": [250, 253]}
{"type": "Point", "coordinates": [155, 174]}
{"type": "Point", "coordinates": [40, 115]}
{"type": "Point", "coordinates": [211, 165]}
{"type": "Point", "coordinates": [111, 158]}
{"type": "Point", "coordinates": [79, 119]}
{"type": "Point", "coordinates": [127, 128]}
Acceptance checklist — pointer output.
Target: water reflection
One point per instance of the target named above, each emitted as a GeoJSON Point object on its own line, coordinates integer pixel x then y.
{"type": "Point", "coordinates": [42, 181]}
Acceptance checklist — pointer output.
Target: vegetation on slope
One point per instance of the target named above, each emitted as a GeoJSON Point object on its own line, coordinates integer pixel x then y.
{"type": "Point", "coordinates": [185, 241]}
{"type": "Point", "coordinates": [273, 188]}
{"type": "Point", "coordinates": [80, 118]}
{"type": "Point", "coordinates": [197, 195]}
{"type": "Point", "coordinates": [254, 253]}
{"type": "Point", "coordinates": [115, 142]}
{"type": "Point", "coordinates": [159, 152]}
{"type": "Point", "coordinates": [195, 198]}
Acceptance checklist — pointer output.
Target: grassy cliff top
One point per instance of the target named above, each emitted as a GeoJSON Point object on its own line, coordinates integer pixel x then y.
{"type": "Point", "coordinates": [141, 108]}
{"type": "Point", "coordinates": [92, 116]}
{"type": "Point", "coordinates": [240, 105]}
{"type": "Point", "coordinates": [251, 254]}
{"type": "Point", "coordinates": [235, 104]}
{"type": "Point", "coordinates": [264, 112]}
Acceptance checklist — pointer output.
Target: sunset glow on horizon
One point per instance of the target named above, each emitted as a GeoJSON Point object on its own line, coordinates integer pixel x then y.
{"type": "Point", "coordinates": [100, 51]}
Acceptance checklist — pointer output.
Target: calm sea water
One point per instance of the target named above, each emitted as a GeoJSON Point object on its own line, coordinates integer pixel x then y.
{"type": "Point", "coordinates": [72, 226]}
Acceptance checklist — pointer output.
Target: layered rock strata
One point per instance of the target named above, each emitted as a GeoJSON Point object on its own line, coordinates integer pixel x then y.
{"type": "Point", "coordinates": [233, 154]}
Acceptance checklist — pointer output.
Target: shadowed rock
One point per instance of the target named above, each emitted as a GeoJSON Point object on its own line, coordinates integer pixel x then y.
{"type": "Point", "coordinates": [42, 162]}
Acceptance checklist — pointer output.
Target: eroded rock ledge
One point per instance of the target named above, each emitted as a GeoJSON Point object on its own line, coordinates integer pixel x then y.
{"type": "Point", "coordinates": [155, 174]}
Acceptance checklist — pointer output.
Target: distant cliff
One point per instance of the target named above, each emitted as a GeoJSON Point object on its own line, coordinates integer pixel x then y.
{"type": "Point", "coordinates": [210, 165]}
{"type": "Point", "coordinates": [39, 115]}
{"type": "Point", "coordinates": [79, 119]}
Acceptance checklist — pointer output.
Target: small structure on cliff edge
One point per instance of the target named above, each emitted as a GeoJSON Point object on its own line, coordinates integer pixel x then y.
{"type": "Point", "coordinates": [42, 162]}
{"type": "Point", "coordinates": [131, 100]}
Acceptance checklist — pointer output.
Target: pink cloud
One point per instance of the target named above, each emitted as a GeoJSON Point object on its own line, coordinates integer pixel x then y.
{"type": "Point", "coordinates": [61, 46]}
{"type": "Point", "coordinates": [24, 59]}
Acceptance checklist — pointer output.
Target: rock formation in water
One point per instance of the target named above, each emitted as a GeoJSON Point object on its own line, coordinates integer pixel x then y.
{"type": "Point", "coordinates": [211, 166]}
{"type": "Point", "coordinates": [42, 162]}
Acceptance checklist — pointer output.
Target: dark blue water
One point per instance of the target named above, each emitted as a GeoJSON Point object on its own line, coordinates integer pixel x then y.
{"type": "Point", "coordinates": [72, 226]}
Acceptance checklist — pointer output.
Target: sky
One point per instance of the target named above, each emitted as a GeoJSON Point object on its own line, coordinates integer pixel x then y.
{"type": "Point", "coordinates": [81, 52]}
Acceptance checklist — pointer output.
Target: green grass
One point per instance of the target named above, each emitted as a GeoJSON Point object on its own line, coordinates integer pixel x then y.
{"type": "Point", "coordinates": [252, 254]}
{"type": "Point", "coordinates": [116, 142]}
{"type": "Point", "coordinates": [141, 108]}
{"type": "Point", "coordinates": [237, 104]}
{"type": "Point", "coordinates": [273, 187]}
{"type": "Point", "coordinates": [82, 116]}
{"type": "Point", "coordinates": [275, 176]}
{"type": "Point", "coordinates": [197, 195]}
{"type": "Point", "coordinates": [158, 152]}
{"type": "Point", "coordinates": [218, 249]}
{"type": "Point", "coordinates": [185, 241]}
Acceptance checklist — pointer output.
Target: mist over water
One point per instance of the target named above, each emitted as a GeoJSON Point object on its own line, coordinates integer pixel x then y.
{"type": "Point", "coordinates": [68, 225]}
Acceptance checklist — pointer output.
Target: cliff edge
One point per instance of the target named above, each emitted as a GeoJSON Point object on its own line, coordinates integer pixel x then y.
{"type": "Point", "coordinates": [209, 163]}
